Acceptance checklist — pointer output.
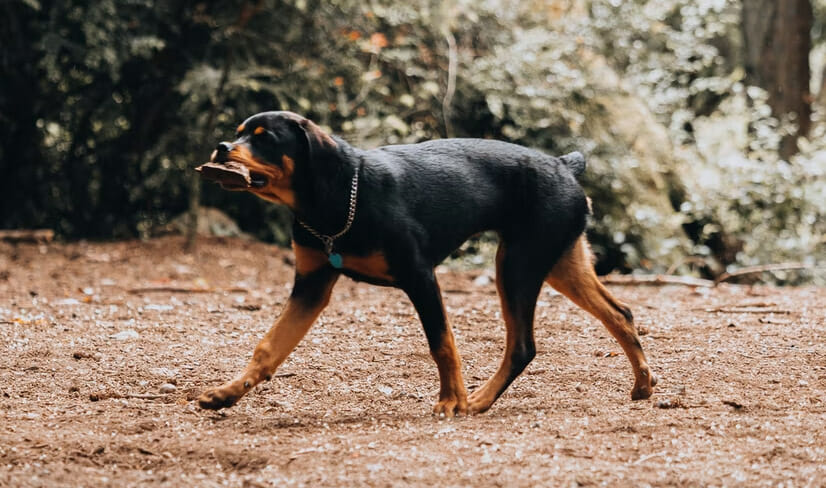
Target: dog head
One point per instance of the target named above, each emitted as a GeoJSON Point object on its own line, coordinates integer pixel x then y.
{"type": "Point", "coordinates": [273, 147]}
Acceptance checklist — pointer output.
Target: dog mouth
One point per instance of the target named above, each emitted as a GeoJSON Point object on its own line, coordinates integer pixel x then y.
{"type": "Point", "coordinates": [232, 175]}
{"type": "Point", "coordinates": [258, 180]}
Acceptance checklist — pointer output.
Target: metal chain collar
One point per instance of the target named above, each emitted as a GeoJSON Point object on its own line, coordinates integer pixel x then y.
{"type": "Point", "coordinates": [328, 240]}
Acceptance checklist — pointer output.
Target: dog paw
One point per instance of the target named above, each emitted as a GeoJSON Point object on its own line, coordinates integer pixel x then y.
{"type": "Point", "coordinates": [479, 402]}
{"type": "Point", "coordinates": [450, 406]}
{"type": "Point", "coordinates": [217, 398]}
{"type": "Point", "coordinates": [644, 389]}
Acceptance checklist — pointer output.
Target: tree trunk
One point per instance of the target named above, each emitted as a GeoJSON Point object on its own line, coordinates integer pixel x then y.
{"type": "Point", "coordinates": [194, 178]}
{"type": "Point", "coordinates": [777, 40]}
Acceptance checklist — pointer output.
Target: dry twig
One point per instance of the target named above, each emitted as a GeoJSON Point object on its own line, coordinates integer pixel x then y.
{"type": "Point", "coordinates": [654, 280]}
{"type": "Point", "coordinates": [27, 235]}
{"type": "Point", "coordinates": [761, 269]}
{"type": "Point", "coordinates": [183, 289]}
{"type": "Point", "coordinates": [748, 310]}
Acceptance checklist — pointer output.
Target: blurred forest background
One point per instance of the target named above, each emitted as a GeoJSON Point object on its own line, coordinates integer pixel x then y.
{"type": "Point", "coordinates": [702, 120]}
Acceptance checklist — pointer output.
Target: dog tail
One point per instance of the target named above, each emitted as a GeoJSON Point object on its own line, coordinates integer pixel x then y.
{"type": "Point", "coordinates": [575, 161]}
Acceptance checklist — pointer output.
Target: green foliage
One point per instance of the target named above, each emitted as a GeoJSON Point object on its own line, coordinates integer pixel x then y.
{"type": "Point", "coordinates": [772, 211]}
{"type": "Point", "coordinates": [107, 106]}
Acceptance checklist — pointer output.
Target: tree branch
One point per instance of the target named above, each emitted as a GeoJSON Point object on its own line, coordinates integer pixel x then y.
{"type": "Point", "coordinates": [452, 65]}
{"type": "Point", "coordinates": [761, 269]}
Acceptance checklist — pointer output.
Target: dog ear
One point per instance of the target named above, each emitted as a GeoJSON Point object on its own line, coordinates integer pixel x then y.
{"type": "Point", "coordinates": [318, 142]}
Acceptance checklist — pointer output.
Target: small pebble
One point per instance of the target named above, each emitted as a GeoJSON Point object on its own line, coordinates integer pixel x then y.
{"type": "Point", "coordinates": [125, 335]}
{"type": "Point", "coordinates": [168, 388]}
{"type": "Point", "coordinates": [482, 280]}
{"type": "Point", "coordinates": [669, 403]}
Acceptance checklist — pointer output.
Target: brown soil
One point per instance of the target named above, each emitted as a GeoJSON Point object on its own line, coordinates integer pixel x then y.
{"type": "Point", "coordinates": [93, 332]}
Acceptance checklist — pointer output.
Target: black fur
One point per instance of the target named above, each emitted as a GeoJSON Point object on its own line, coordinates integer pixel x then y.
{"type": "Point", "coordinates": [417, 203]}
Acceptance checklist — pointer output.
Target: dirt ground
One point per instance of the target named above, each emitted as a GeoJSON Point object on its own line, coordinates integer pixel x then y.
{"type": "Point", "coordinates": [105, 346]}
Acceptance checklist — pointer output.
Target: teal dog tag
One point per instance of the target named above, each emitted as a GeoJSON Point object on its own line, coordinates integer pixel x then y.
{"type": "Point", "coordinates": [336, 260]}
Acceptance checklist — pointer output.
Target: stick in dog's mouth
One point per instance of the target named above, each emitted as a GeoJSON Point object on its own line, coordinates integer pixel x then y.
{"type": "Point", "coordinates": [231, 175]}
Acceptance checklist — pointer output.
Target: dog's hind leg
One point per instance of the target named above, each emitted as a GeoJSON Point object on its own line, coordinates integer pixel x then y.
{"type": "Point", "coordinates": [518, 283]}
{"type": "Point", "coordinates": [574, 276]}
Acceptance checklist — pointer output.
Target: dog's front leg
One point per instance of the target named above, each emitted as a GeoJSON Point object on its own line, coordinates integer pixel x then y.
{"type": "Point", "coordinates": [427, 299]}
{"type": "Point", "coordinates": [310, 295]}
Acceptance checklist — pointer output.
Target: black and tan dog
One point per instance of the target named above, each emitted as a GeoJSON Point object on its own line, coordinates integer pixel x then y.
{"type": "Point", "coordinates": [389, 215]}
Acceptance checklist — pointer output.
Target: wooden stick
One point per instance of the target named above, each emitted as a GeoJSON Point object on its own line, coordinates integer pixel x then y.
{"type": "Point", "coordinates": [104, 395]}
{"type": "Point", "coordinates": [168, 289]}
{"type": "Point", "coordinates": [747, 310]}
{"type": "Point", "coordinates": [654, 280]}
{"type": "Point", "coordinates": [761, 269]}
{"type": "Point", "coordinates": [649, 456]}
{"type": "Point", "coordinates": [27, 235]}
{"type": "Point", "coordinates": [181, 289]}
{"type": "Point", "coordinates": [660, 280]}
{"type": "Point", "coordinates": [143, 396]}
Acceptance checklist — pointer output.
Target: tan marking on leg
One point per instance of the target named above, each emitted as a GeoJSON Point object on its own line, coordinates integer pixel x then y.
{"type": "Point", "coordinates": [293, 323]}
{"type": "Point", "coordinates": [482, 399]}
{"type": "Point", "coordinates": [574, 277]}
{"type": "Point", "coordinates": [452, 393]}
{"type": "Point", "coordinates": [285, 334]}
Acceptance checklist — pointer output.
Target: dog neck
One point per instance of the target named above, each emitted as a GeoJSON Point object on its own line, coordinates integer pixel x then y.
{"type": "Point", "coordinates": [324, 187]}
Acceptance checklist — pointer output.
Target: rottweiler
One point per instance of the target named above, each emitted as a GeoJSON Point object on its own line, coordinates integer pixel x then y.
{"type": "Point", "coordinates": [389, 215]}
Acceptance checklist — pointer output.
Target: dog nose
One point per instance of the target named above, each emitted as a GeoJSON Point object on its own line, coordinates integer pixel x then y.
{"type": "Point", "coordinates": [224, 147]}
{"type": "Point", "coordinates": [221, 152]}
